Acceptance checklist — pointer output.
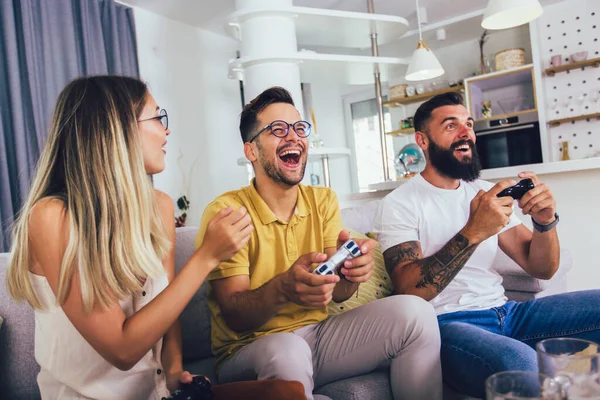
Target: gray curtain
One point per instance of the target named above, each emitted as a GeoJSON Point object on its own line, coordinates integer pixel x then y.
{"type": "Point", "coordinates": [43, 45]}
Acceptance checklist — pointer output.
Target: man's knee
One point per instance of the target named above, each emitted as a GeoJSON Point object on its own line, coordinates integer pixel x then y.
{"type": "Point", "coordinates": [285, 356]}
{"type": "Point", "coordinates": [413, 310]}
{"type": "Point", "coordinates": [412, 317]}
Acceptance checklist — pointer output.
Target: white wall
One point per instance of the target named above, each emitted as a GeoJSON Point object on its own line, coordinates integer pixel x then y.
{"type": "Point", "coordinates": [577, 195]}
{"type": "Point", "coordinates": [329, 113]}
{"type": "Point", "coordinates": [186, 69]}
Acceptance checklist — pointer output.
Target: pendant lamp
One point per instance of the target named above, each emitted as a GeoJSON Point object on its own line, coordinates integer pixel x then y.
{"type": "Point", "coordinates": [503, 14]}
{"type": "Point", "coordinates": [423, 64]}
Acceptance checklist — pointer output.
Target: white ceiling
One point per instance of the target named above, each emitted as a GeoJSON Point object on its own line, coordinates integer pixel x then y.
{"type": "Point", "coordinates": [212, 14]}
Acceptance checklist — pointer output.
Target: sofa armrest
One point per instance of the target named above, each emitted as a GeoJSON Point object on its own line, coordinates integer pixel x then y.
{"type": "Point", "coordinates": [516, 279]}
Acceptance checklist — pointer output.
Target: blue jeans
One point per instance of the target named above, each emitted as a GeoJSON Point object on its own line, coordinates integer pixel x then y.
{"type": "Point", "coordinates": [477, 344]}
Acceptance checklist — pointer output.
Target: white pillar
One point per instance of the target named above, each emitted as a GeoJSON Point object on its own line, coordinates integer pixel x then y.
{"type": "Point", "coordinates": [269, 34]}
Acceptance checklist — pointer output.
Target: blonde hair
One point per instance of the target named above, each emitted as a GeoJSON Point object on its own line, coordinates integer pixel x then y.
{"type": "Point", "coordinates": [93, 163]}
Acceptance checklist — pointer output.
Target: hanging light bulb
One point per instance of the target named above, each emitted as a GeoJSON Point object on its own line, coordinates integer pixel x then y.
{"type": "Point", "coordinates": [503, 14]}
{"type": "Point", "coordinates": [423, 64]}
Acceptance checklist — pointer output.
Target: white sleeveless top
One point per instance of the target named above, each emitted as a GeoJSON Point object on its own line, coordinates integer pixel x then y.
{"type": "Point", "coordinates": [72, 369]}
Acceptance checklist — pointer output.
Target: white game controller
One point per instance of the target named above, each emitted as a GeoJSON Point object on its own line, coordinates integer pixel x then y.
{"type": "Point", "coordinates": [347, 251]}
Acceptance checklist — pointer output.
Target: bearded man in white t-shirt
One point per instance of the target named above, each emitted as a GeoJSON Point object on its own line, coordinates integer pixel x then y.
{"type": "Point", "coordinates": [440, 233]}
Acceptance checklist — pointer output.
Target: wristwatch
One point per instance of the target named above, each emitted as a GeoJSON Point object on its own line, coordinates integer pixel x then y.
{"type": "Point", "coordinates": [545, 228]}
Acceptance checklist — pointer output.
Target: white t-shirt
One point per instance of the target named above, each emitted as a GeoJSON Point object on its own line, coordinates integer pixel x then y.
{"type": "Point", "coordinates": [419, 211]}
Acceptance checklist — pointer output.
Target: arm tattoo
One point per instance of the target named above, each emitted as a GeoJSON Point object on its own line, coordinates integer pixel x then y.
{"type": "Point", "coordinates": [406, 251]}
{"type": "Point", "coordinates": [438, 270]}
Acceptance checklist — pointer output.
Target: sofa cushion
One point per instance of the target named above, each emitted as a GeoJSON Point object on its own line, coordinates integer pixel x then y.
{"type": "Point", "coordinates": [378, 287]}
{"type": "Point", "coordinates": [360, 218]}
{"type": "Point", "coordinates": [195, 319]}
{"type": "Point", "coordinates": [18, 369]}
{"type": "Point", "coordinates": [516, 279]}
{"type": "Point", "coordinates": [373, 386]}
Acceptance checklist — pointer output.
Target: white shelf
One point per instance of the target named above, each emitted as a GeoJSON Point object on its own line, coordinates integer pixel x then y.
{"type": "Point", "coordinates": [330, 68]}
{"type": "Point", "coordinates": [324, 27]}
{"type": "Point", "coordinates": [511, 172]}
{"type": "Point", "coordinates": [314, 154]}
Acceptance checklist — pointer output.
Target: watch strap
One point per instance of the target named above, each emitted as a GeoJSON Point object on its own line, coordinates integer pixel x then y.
{"type": "Point", "coordinates": [545, 228]}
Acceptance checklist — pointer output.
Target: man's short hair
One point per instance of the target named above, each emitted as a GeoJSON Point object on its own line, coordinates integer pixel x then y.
{"type": "Point", "coordinates": [423, 114]}
{"type": "Point", "coordinates": [249, 116]}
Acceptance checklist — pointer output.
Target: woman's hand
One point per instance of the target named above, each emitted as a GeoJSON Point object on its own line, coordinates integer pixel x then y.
{"type": "Point", "coordinates": [226, 234]}
{"type": "Point", "coordinates": [174, 379]}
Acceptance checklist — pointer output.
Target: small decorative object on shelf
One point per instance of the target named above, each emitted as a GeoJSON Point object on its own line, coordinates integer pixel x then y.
{"type": "Point", "coordinates": [482, 40]}
{"type": "Point", "coordinates": [315, 139]}
{"type": "Point", "coordinates": [556, 60]}
{"type": "Point", "coordinates": [407, 123]}
{"type": "Point", "coordinates": [486, 109]}
{"type": "Point", "coordinates": [183, 204]}
{"type": "Point", "coordinates": [510, 58]}
{"type": "Point", "coordinates": [398, 91]}
{"type": "Point", "coordinates": [564, 151]}
{"type": "Point", "coordinates": [579, 56]}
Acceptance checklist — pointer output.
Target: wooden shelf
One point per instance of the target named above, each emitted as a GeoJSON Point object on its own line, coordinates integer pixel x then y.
{"type": "Point", "coordinates": [557, 122]}
{"type": "Point", "coordinates": [594, 62]}
{"type": "Point", "coordinates": [421, 97]}
{"type": "Point", "coordinates": [405, 131]}
{"type": "Point", "coordinates": [507, 115]}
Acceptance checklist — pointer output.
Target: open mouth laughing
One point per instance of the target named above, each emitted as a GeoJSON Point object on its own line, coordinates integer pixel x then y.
{"type": "Point", "coordinates": [463, 147]}
{"type": "Point", "coordinates": [291, 158]}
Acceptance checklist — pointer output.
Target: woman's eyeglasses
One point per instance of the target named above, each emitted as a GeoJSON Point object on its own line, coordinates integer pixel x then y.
{"type": "Point", "coordinates": [162, 117]}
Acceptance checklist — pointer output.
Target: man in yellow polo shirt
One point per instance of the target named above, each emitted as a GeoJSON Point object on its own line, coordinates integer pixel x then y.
{"type": "Point", "coordinates": [268, 310]}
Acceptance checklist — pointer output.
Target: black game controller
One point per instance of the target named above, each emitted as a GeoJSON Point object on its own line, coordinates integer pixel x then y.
{"type": "Point", "coordinates": [517, 191]}
{"type": "Point", "coordinates": [198, 389]}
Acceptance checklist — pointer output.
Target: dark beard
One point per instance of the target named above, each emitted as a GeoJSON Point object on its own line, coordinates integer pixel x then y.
{"type": "Point", "coordinates": [276, 174]}
{"type": "Point", "coordinates": [446, 164]}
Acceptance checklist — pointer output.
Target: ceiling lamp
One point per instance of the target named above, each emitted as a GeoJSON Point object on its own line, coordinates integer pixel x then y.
{"type": "Point", "coordinates": [423, 64]}
{"type": "Point", "coordinates": [503, 14]}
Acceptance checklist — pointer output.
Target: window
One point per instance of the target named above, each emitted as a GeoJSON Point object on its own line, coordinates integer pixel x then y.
{"type": "Point", "coordinates": [367, 144]}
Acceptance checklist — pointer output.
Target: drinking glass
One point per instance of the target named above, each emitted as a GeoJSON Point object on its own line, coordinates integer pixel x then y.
{"type": "Point", "coordinates": [574, 363]}
{"type": "Point", "coordinates": [521, 385]}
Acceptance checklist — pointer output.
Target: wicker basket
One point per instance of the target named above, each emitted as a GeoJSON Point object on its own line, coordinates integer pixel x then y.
{"type": "Point", "coordinates": [510, 58]}
{"type": "Point", "coordinates": [398, 91]}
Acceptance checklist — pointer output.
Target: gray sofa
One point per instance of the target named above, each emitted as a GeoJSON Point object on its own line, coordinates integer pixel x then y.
{"type": "Point", "coordinates": [18, 368]}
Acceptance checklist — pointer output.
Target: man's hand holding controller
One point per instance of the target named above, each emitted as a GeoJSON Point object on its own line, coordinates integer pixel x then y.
{"type": "Point", "coordinates": [347, 251]}
{"type": "Point", "coordinates": [302, 286]}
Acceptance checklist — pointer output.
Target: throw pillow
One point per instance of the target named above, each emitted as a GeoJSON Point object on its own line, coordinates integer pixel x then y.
{"type": "Point", "coordinates": [378, 287]}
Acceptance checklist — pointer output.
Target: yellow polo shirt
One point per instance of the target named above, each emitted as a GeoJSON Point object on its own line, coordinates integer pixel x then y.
{"type": "Point", "coordinates": [272, 249]}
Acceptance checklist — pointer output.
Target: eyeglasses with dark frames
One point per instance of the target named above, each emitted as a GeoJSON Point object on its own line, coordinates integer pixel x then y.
{"type": "Point", "coordinates": [162, 117]}
{"type": "Point", "coordinates": [281, 129]}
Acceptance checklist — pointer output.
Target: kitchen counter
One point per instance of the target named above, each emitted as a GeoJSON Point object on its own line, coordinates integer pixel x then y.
{"type": "Point", "coordinates": [511, 172]}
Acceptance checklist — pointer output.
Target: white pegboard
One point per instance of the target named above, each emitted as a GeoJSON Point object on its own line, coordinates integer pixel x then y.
{"type": "Point", "coordinates": [566, 28]}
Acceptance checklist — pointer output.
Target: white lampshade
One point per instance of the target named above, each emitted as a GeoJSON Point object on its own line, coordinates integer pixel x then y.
{"type": "Point", "coordinates": [423, 64]}
{"type": "Point", "coordinates": [503, 14]}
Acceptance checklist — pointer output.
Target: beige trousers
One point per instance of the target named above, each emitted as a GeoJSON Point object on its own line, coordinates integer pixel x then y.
{"type": "Point", "coordinates": [399, 331]}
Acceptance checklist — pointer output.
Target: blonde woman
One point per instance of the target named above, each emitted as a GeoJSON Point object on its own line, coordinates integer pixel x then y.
{"type": "Point", "coordinates": [93, 249]}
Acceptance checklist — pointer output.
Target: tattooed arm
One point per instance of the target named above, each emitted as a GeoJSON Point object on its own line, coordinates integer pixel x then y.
{"type": "Point", "coordinates": [426, 277]}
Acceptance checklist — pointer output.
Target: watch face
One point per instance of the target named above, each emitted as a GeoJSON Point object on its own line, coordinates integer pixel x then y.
{"type": "Point", "coordinates": [410, 91]}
